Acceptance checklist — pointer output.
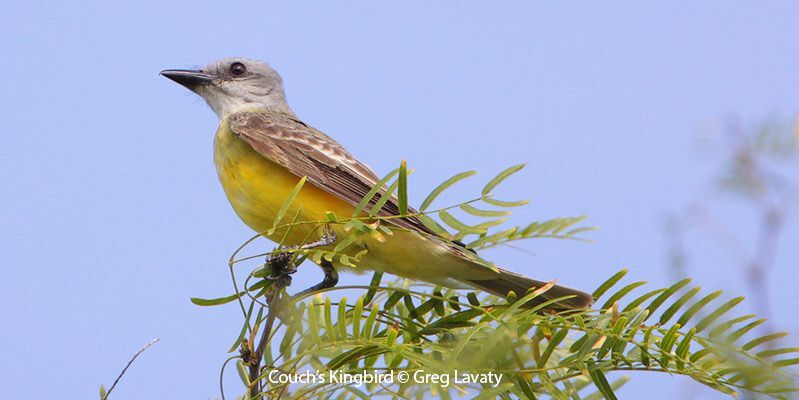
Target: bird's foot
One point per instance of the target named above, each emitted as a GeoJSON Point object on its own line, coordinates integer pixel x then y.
{"type": "Point", "coordinates": [282, 266]}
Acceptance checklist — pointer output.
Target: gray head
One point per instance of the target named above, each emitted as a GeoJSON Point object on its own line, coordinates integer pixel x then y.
{"type": "Point", "coordinates": [234, 84]}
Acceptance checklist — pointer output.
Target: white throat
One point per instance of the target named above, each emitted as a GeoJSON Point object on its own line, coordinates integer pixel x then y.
{"type": "Point", "coordinates": [225, 104]}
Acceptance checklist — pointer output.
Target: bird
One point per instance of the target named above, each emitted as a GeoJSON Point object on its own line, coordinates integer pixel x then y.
{"type": "Point", "coordinates": [262, 150]}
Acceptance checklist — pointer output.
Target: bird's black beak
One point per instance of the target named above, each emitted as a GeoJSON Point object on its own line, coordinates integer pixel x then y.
{"type": "Point", "coordinates": [189, 78]}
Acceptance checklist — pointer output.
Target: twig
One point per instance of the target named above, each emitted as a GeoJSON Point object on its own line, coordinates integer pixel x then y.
{"type": "Point", "coordinates": [762, 264]}
{"type": "Point", "coordinates": [748, 179]}
{"type": "Point", "coordinates": [145, 347]}
{"type": "Point", "coordinates": [282, 267]}
{"type": "Point", "coordinates": [255, 360]}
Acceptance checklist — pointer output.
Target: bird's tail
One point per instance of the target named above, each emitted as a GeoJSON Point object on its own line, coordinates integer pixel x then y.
{"type": "Point", "coordinates": [519, 284]}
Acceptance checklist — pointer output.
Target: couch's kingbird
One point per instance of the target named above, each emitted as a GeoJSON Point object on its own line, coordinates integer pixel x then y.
{"type": "Point", "coordinates": [262, 150]}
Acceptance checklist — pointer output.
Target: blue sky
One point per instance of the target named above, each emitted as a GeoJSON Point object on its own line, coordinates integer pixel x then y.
{"type": "Point", "coordinates": [112, 216]}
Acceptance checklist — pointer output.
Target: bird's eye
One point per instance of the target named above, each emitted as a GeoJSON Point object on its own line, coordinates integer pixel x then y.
{"type": "Point", "coordinates": [237, 68]}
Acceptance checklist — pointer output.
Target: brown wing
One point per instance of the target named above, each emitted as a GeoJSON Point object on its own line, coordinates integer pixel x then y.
{"type": "Point", "coordinates": [308, 152]}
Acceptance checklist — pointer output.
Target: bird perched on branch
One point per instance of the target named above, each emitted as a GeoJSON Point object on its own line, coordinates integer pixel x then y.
{"type": "Point", "coordinates": [262, 150]}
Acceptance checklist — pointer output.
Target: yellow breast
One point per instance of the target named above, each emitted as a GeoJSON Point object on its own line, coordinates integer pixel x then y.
{"type": "Point", "coordinates": [257, 188]}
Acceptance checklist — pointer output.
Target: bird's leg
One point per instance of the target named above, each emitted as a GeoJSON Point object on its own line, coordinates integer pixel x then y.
{"type": "Point", "coordinates": [330, 280]}
{"type": "Point", "coordinates": [328, 238]}
{"type": "Point", "coordinates": [283, 266]}
{"type": "Point", "coordinates": [331, 276]}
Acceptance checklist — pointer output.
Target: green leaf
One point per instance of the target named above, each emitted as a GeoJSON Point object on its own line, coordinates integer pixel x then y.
{"type": "Point", "coordinates": [371, 193]}
{"type": "Point", "coordinates": [444, 186]}
{"type": "Point", "coordinates": [500, 177]}
{"type": "Point", "coordinates": [582, 347]}
{"type": "Point", "coordinates": [286, 203]}
{"type": "Point", "coordinates": [725, 326]}
{"type": "Point", "coordinates": [313, 323]}
{"type": "Point", "coordinates": [621, 293]}
{"type": "Point", "coordinates": [439, 305]}
{"type": "Point", "coordinates": [491, 239]}
{"type": "Point", "coordinates": [395, 297]}
{"type": "Point", "coordinates": [655, 304]}
{"type": "Point", "coordinates": [688, 314]}
{"type": "Point", "coordinates": [574, 232]}
{"type": "Point", "coordinates": [763, 339]}
{"type": "Point", "coordinates": [341, 321]}
{"type": "Point", "coordinates": [701, 353]}
{"type": "Point", "coordinates": [666, 343]}
{"type": "Point", "coordinates": [215, 302]}
{"type": "Point", "coordinates": [677, 305]}
{"type": "Point", "coordinates": [551, 389]}
{"type": "Point", "coordinates": [408, 301]}
{"type": "Point", "coordinates": [330, 216]}
{"type": "Point", "coordinates": [258, 320]}
{"type": "Point", "coordinates": [243, 374]}
{"type": "Point", "coordinates": [608, 284]}
{"type": "Point", "coordinates": [244, 328]}
{"type": "Point", "coordinates": [483, 226]}
{"type": "Point", "coordinates": [645, 359]}
{"type": "Point", "coordinates": [330, 329]}
{"type": "Point", "coordinates": [472, 297]}
{"type": "Point", "coordinates": [458, 225]}
{"type": "Point", "coordinates": [316, 256]}
{"type": "Point", "coordinates": [355, 354]}
{"type": "Point", "coordinates": [468, 208]}
{"type": "Point", "coordinates": [391, 336]}
{"type": "Point", "coordinates": [358, 393]}
{"type": "Point", "coordinates": [373, 285]}
{"type": "Point", "coordinates": [743, 330]}
{"type": "Point", "coordinates": [370, 321]}
{"type": "Point", "coordinates": [402, 191]}
{"type": "Point", "coordinates": [457, 320]}
{"type": "Point", "coordinates": [616, 385]}
{"type": "Point", "coordinates": [786, 363]}
{"type": "Point", "coordinates": [566, 223]}
{"type": "Point", "coordinates": [777, 352]}
{"type": "Point", "coordinates": [538, 228]}
{"type": "Point", "coordinates": [524, 386]}
{"type": "Point", "coordinates": [433, 225]}
{"type": "Point", "coordinates": [504, 203]}
{"type": "Point", "coordinates": [441, 327]}
{"type": "Point", "coordinates": [598, 377]}
{"type": "Point", "coordinates": [556, 339]}
{"type": "Point", "coordinates": [286, 344]}
{"type": "Point", "coordinates": [345, 260]}
{"type": "Point", "coordinates": [347, 241]}
{"type": "Point", "coordinates": [425, 308]}
{"type": "Point", "coordinates": [641, 299]}
{"type": "Point", "coordinates": [712, 317]}
{"type": "Point", "coordinates": [384, 197]}
{"type": "Point", "coordinates": [682, 349]}
{"type": "Point", "coordinates": [357, 316]}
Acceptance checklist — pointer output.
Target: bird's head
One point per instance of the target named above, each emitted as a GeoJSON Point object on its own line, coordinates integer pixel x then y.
{"type": "Point", "coordinates": [234, 84]}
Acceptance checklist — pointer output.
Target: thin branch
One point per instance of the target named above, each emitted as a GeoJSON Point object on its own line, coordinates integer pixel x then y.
{"type": "Point", "coordinates": [145, 347]}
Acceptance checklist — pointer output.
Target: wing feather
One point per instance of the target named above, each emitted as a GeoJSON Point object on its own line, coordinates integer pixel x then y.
{"type": "Point", "coordinates": [308, 152]}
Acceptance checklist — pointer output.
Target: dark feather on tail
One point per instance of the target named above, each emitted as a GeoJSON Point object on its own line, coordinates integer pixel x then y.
{"type": "Point", "coordinates": [519, 284]}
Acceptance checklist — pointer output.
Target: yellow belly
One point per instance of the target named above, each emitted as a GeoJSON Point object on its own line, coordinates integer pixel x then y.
{"type": "Point", "coordinates": [257, 188]}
